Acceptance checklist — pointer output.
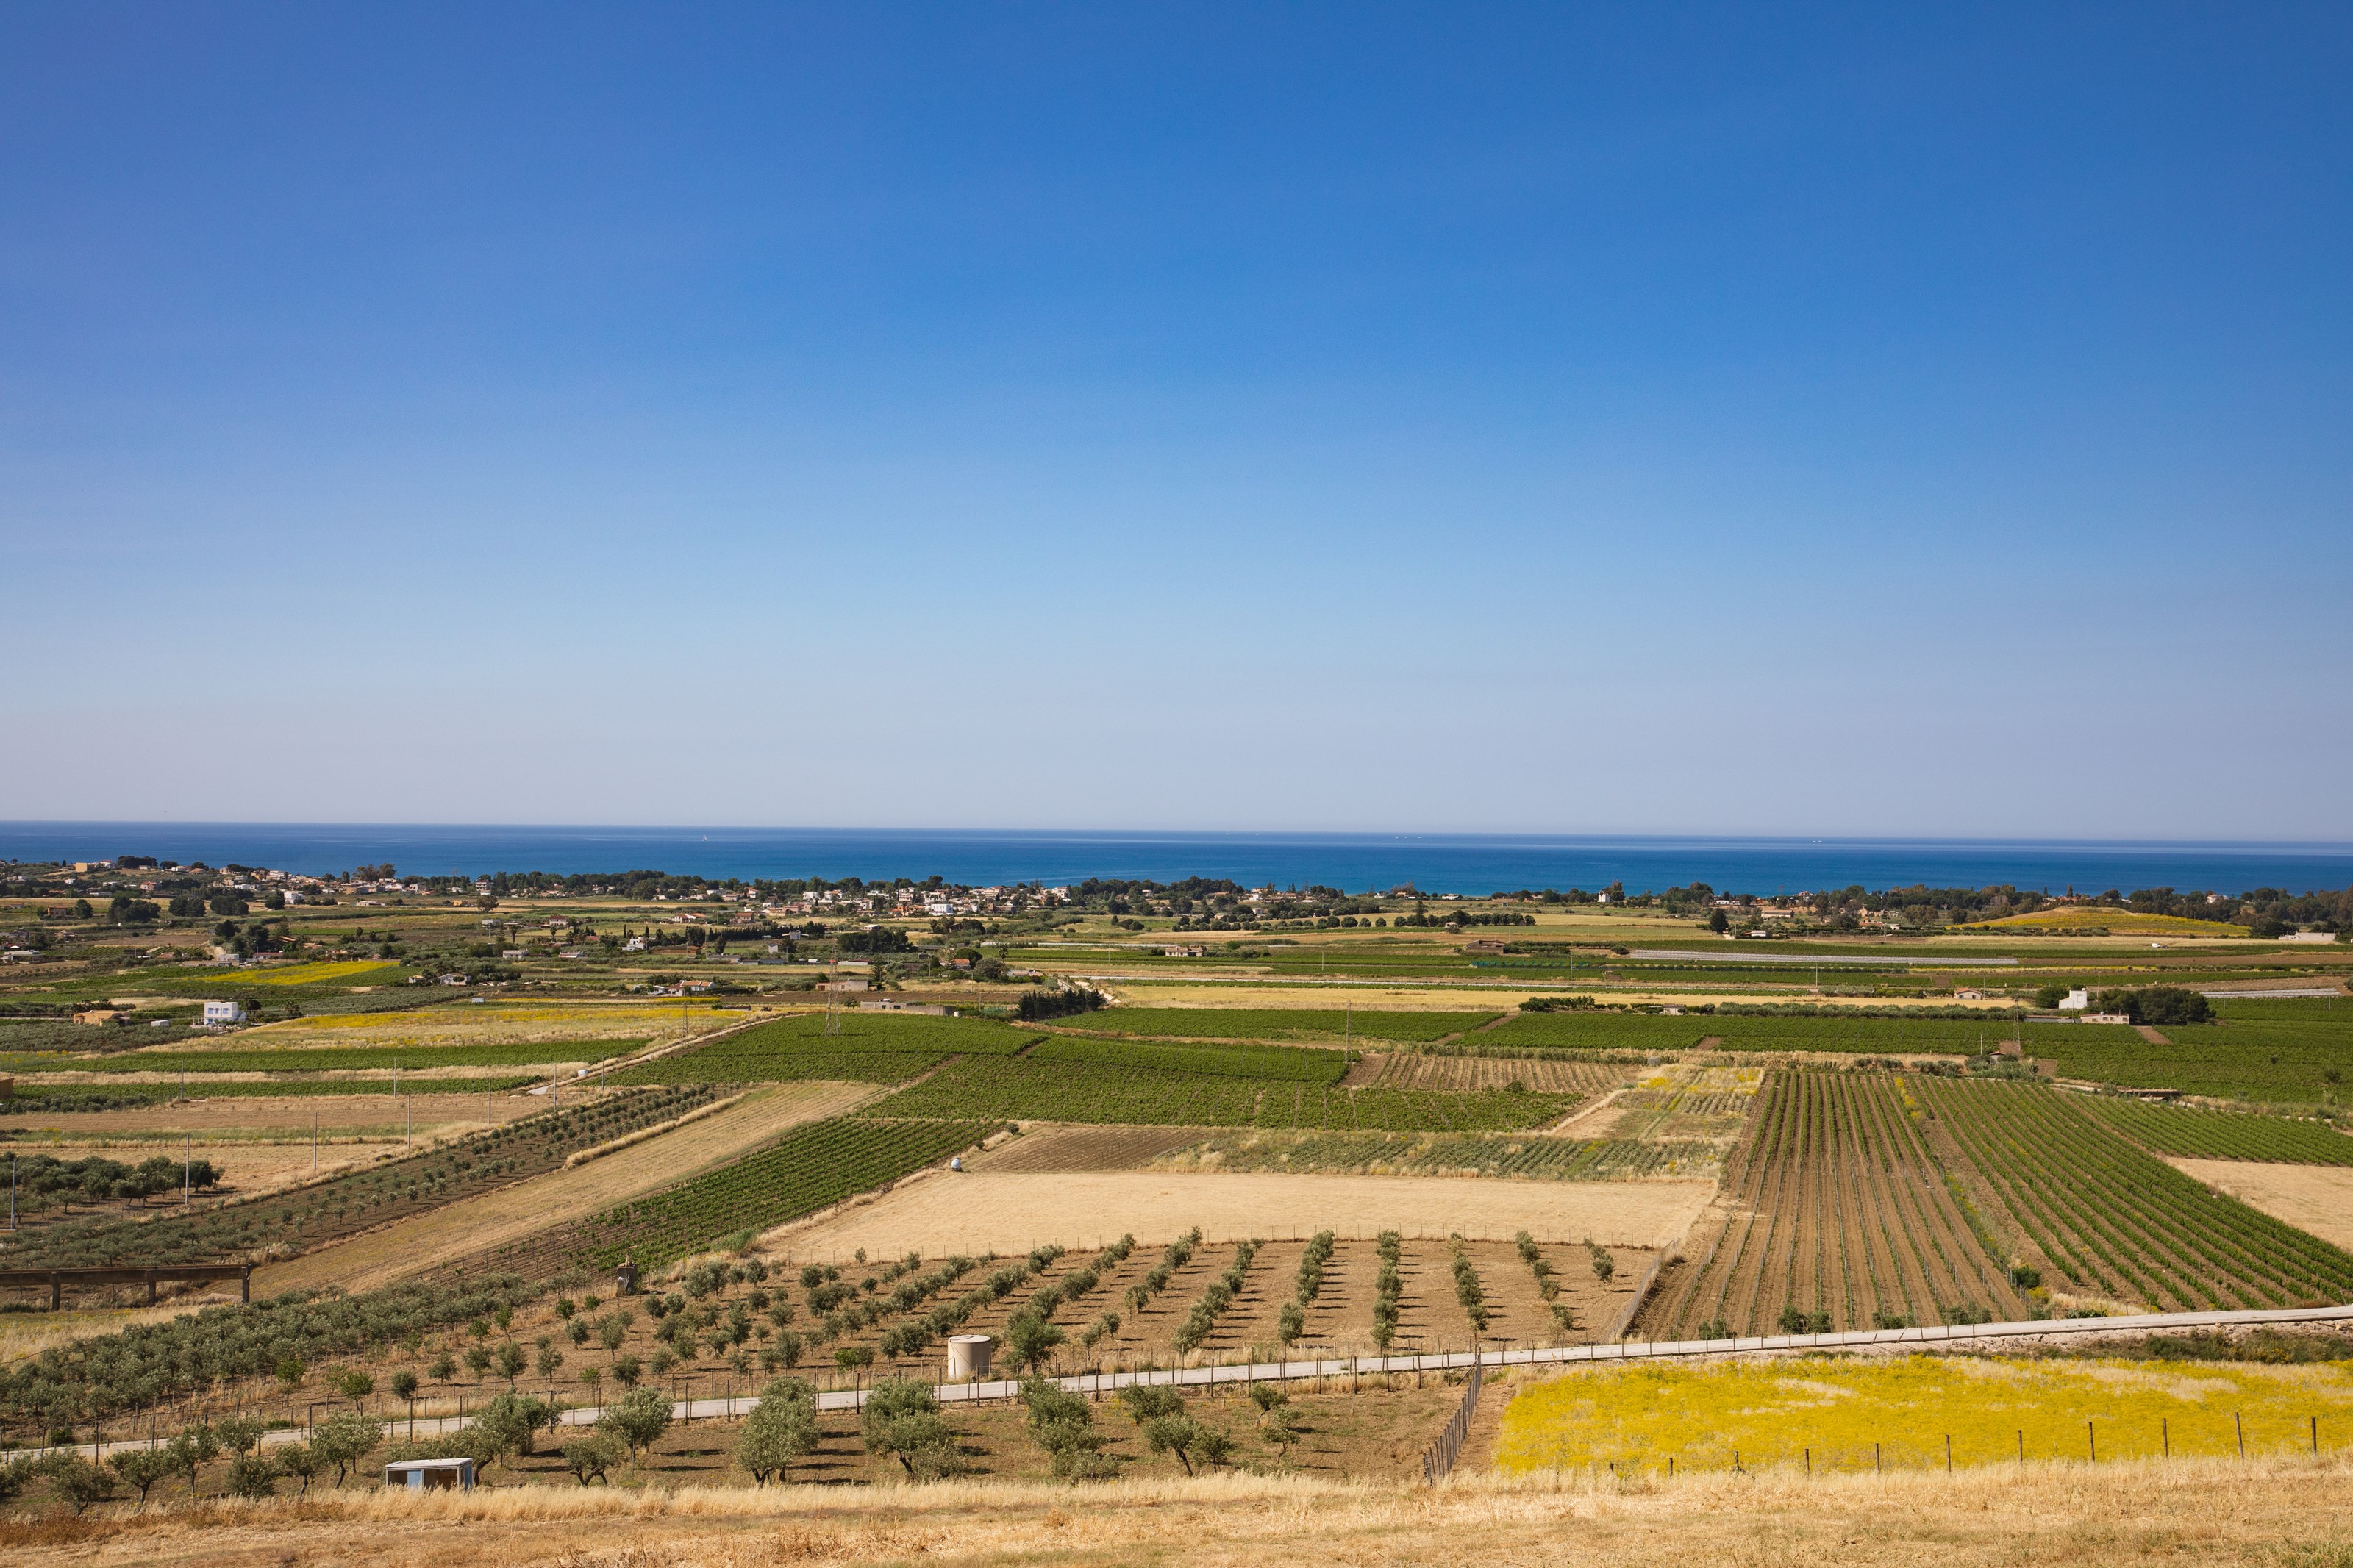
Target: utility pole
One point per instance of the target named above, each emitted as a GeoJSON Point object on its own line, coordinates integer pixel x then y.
{"type": "Point", "coordinates": [314, 1140]}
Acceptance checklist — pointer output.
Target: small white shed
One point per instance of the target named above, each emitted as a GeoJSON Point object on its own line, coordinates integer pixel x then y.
{"type": "Point", "coordinates": [431, 1475]}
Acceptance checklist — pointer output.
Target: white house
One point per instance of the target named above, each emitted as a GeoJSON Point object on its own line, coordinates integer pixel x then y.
{"type": "Point", "coordinates": [218, 1014]}
{"type": "Point", "coordinates": [2077, 1001]}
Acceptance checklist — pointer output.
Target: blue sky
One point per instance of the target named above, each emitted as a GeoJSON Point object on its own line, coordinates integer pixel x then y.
{"type": "Point", "coordinates": [1689, 419]}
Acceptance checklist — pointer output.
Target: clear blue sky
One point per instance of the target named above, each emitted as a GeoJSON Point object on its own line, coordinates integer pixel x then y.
{"type": "Point", "coordinates": [1735, 419]}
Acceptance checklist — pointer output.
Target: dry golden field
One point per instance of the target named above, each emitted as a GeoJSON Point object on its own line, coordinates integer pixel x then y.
{"type": "Point", "coordinates": [983, 1210]}
{"type": "Point", "coordinates": [2276, 1513]}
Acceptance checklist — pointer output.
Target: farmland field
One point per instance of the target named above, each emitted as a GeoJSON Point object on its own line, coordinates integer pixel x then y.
{"type": "Point", "coordinates": [1863, 1414]}
{"type": "Point", "coordinates": [982, 1210]}
{"type": "Point", "coordinates": [481, 1224]}
{"type": "Point", "coordinates": [359, 1200]}
{"type": "Point", "coordinates": [354, 970]}
{"type": "Point", "coordinates": [859, 1047]}
{"type": "Point", "coordinates": [2104, 1217]}
{"type": "Point", "coordinates": [1597, 1031]}
{"type": "Point", "coordinates": [1891, 1037]}
{"type": "Point", "coordinates": [806, 1169]}
{"type": "Point", "coordinates": [1287, 1063]}
{"type": "Point", "coordinates": [1492, 1154]}
{"type": "Point", "coordinates": [1025, 1088]}
{"type": "Point", "coordinates": [2198, 1133]}
{"type": "Point", "coordinates": [1429, 1069]}
{"type": "Point", "coordinates": [349, 1058]}
{"type": "Point", "coordinates": [1275, 1024]}
{"type": "Point", "coordinates": [2279, 1062]}
{"type": "Point", "coordinates": [1841, 1211]}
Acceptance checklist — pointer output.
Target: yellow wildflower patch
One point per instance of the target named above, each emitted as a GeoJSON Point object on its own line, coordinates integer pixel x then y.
{"type": "Point", "coordinates": [1899, 1413]}
{"type": "Point", "coordinates": [317, 973]}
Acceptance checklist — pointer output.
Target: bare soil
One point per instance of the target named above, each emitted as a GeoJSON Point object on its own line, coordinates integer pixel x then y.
{"type": "Point", "coordinates": [1009, 1213]}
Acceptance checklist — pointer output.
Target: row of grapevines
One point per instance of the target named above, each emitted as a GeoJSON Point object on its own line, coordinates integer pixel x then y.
{"type": "Point", "coordinates": [804, 1169]}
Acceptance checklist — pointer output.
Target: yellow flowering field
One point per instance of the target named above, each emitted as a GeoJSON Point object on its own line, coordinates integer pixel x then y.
{"type": "Point", "coordinates": [1769, 1414]}
{"type": "Point", "coordinates": [317, 973]}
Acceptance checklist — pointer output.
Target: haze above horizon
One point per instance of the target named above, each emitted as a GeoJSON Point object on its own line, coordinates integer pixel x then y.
{"type": "Point", "coordinates": [1833, 422]}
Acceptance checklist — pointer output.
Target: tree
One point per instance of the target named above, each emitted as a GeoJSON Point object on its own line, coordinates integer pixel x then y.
{"type": "Point", "coordinates": [77, 1481]}
{"type": "Point", "coordinates": [903, 1419]}
{"type": "Point", "coordinates": [1063, 1425]}
{"type": "Point", "coordinates": [404, 1384]}
{"type": "Point", "coordinates": [638, 1418]}
{"type": "Point", "coordinates": [239, 1433]}
{"type": "Point", "coordinates": [478, 1361]}
{"type": "Point", "coordinates": [611, 1333]}
{"type": "Point", "coordinates": [1718, 922]}
{"type": "Point", "coordinates": [511, 1362]}
{"type": "Point", "coordinates": [590, 1456]}
{"type": "Point", "coordinates": [550, 1361]}
{"type": "Point", "coordinates": [251, 1476]}
{"type": "Point", "coordinates": [301, 1461]}
{"type": "Point", "coordinates": [1030, 1340]}
{"type": "Point", "coordinates": [782, 1429]}
{"type": "Point", "coordinates": [1183, 1436]}
{"type": "Point", "coordinates": [191, 1451]}
{"type": "Point", "coordinates": [140, 1468]}
{"type": "Point", "coordinates": [344, 1439]}
{"type": "Point", "coordinates": [505, 1427]}
{"type": "Point", "coordinates": [442, 1370]}
{"type": "Point", "coordinates": [356, 1385]}
{"type": "Point", "coordinates": [15, 1475]}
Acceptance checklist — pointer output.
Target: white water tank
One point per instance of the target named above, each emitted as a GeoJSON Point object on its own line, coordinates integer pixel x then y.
{"type": "Point", "coordinates": [968, 1355]}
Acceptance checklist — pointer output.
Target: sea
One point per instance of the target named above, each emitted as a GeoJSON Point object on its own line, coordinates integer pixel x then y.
{"type": "Point", "coordinates": [1354, 862]}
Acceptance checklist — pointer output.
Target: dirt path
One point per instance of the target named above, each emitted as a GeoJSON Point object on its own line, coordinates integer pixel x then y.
{"type": "Point", "coordinates": [2149, 1032]}
{"type": "Point", "coordinates": [513, 1213]}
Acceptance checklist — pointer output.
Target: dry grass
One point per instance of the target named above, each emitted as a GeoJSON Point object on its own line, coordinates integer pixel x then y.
{"type": "Point", "coordinates": [2317, 1198]}
{"type": "Point", "coordinates": [1009, 1211]}
{"type": "Point", "coordinates": [527, 1207]}
{"type": "Point", "coordinates": [2296, 1514]}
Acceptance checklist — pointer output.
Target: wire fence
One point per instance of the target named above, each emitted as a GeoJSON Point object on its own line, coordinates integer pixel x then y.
{"type": "Point", "coordinates": [1437, 1460]}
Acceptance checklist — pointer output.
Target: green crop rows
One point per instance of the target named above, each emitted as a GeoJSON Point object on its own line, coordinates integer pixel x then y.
{"type": "Point", "coordinates": [355, 1201]}
{"type": "Point", "coordinates": [806, 1169]}
{"type": "Point", "coordinates": [2280, 1061]}
{"type": "Point", "coordinates": [880, 1048]}
{"type": "Point", "coordinates": [351, 1059]}
{"type": "Point", "coordinates": [1276, 1023]}
{"type": "Point", "coordinates": [1285, 1063]}
{"type": "Point", "coordinates": [2123, 1223]}
{"type": "Point", "coordinates": [1027, 1089]}
{"type": "Point", "coordinates": [1892, 1036]}
{"type": "Point", "coordinates": [1594, 1031]}
{"type": "Point", "coordinates": [2193, 1134]}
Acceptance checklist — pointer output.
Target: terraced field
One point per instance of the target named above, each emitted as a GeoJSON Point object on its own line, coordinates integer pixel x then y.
{"type": "Point", "coordinates": [1275, 1024]}
{"type": "Point", "coordinates": [1526, 1157]}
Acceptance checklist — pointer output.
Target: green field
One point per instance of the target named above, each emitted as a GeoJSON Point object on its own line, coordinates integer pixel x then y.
{"type": "Point", "coordinates": [1275, 1024]}
{"type": "Point", "coordinates": [806, 1169]}
{"type": "Point", "coordinates": [1285, 1063]}
{"type": "Point", "coordinates": [2306, 1062]}
{"type": "Point", "coordinates": [876, 1048]}
{"type": "Point", "coordinates": [1595, 1031]}
{"type": "Point", "coordinates": [1025, 1089]}
{"type": "Point", "coordinates": [1896, 1036]}
{"type": "Point", "coordinates": [2194, 1133]}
